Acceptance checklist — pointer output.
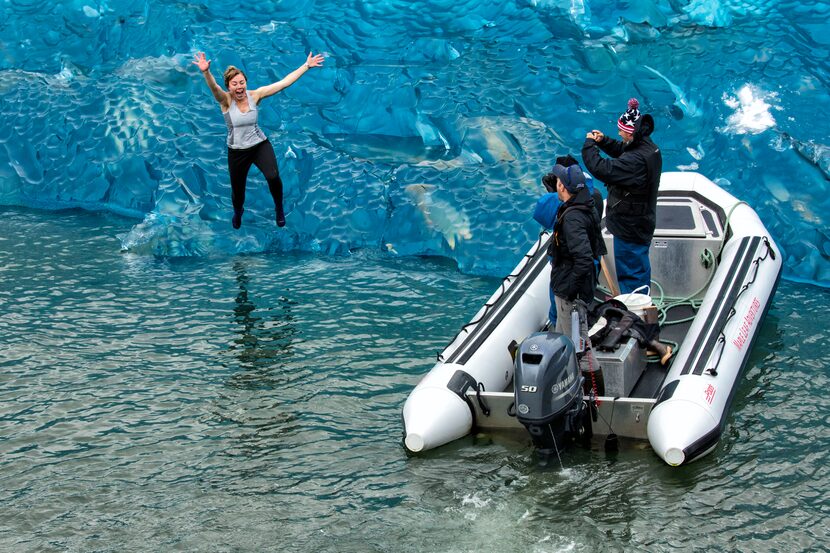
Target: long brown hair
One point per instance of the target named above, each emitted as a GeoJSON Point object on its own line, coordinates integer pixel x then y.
{"type": "Point", "coordinates": [232, 72]}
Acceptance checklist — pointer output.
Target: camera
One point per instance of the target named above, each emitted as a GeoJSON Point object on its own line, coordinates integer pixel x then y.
{"type": "Point", "coordinates": [549, 181]}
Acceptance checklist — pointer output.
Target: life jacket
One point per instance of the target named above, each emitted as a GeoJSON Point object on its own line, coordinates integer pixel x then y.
{"type": "Point", "coordinates": [621, 324]}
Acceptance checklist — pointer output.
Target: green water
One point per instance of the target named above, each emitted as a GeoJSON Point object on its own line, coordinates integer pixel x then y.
{"type": "Point", "coordinates": [252, 403]}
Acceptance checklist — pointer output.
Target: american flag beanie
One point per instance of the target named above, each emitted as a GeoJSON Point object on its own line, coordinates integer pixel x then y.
{"type": "Point", "coordinates": [631, 115]}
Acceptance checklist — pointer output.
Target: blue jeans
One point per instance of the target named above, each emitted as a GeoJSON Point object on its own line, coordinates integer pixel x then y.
{"type": "Point", "coordinates": [632, 265]}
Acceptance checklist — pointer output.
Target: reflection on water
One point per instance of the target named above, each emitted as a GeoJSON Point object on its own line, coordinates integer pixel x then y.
{"type": "Point", "coordinates": [211, 404]}
{"type": "Point", "coordinates": [263, 344]}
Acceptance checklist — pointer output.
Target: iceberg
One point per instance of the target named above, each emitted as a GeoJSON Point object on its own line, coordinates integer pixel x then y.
{"type": "Point", "coordinates": [429, 127]}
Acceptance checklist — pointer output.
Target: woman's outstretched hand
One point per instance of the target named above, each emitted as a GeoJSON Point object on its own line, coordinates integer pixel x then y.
{"type": "Point", "coordinates": [204, 63]}
{"type": "Point", "coordinates": [312, 61]}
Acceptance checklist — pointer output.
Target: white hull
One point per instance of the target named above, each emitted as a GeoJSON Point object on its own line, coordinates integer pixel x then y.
{"type": "Point", "coordinates": [685, 417]}
{"type": "Point", "coordinates": [693, 404]}
{"type": "Point", "coordinates": [436, 411]}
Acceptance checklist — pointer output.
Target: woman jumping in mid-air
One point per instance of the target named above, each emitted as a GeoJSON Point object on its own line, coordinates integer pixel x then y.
{"type": "Point", "coordinates": [247, 144]}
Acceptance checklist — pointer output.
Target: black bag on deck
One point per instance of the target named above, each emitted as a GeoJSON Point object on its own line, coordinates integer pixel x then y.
{"type": "Point", "coordinates": [621, 325]}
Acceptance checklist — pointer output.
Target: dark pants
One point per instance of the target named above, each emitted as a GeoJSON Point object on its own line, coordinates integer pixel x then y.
{"type": "Point", "coordinates": [239, 163]}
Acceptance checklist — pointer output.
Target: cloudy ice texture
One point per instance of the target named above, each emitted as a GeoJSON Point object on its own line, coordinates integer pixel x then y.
{"type": "Point", "coordinates": [752, 113]}
{"type": "Point", "coordinates": [429, 127]}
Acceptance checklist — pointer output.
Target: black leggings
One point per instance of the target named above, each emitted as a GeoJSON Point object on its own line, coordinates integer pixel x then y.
{"type": "Point", "coordinates": [239, 163]}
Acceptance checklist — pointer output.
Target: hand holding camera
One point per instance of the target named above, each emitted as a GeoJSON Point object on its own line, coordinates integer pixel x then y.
{"type": "Point", "coordinates": [596, 135]}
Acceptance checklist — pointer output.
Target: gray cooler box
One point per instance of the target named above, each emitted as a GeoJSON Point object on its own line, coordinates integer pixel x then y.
{"type": "Point", "coordinates": [621, 368]}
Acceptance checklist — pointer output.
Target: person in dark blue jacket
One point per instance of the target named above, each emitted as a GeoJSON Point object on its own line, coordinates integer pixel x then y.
{"type": "Point", "coordinates": [632, 176]}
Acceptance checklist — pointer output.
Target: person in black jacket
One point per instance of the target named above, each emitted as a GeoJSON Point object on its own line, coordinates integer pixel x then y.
{"type": "Point", "coordinates": [547, 206]}
{"type": "Point", "coordinates": [632, 176]}
{"type": "Point", "coordinates": [576, 242]}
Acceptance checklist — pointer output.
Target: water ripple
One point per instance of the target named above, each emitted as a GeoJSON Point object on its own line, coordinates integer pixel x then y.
{"type": "Point", "coordinates": [254, 402]}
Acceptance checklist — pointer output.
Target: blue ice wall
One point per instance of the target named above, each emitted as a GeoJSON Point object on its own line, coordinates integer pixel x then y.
{"type": "Point", "coordinates": [429, 127]}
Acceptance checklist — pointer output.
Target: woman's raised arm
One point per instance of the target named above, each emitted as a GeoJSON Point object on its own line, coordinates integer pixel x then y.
{"type": "Point", "coordinates": [288, 80]}
{"type": "Point", "coordinates": [204, 66]}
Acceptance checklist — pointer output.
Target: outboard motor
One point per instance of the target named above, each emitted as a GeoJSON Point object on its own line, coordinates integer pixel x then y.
{"type": "Point", "coordinates": [548, 390]}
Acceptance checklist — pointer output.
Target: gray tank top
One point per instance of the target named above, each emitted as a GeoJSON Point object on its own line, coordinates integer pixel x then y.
{"type": "Point", "coordinates": [243, 131]}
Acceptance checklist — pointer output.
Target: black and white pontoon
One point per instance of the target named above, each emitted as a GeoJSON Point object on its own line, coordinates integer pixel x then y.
{"type": "Point", "coordinates": [714, 273]}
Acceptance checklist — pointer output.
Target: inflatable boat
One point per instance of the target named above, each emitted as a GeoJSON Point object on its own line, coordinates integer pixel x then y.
{"type": "Point", "coordinates": [715, 269]}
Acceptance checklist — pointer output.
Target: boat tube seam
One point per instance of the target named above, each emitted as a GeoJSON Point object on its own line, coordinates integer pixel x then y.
{"type": "Point", "coordinates": [732, 312]}
{"type": "Point", "coordinates": [728, 405]}
{"type": "Point", "coordinates": [504, 286]}
{"type": "Point", "coordinates": [501, 308]}
{"type": "Point", "coordinates": [724, 314]}
{"type": "Point", "coordinates": [701, 338]}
